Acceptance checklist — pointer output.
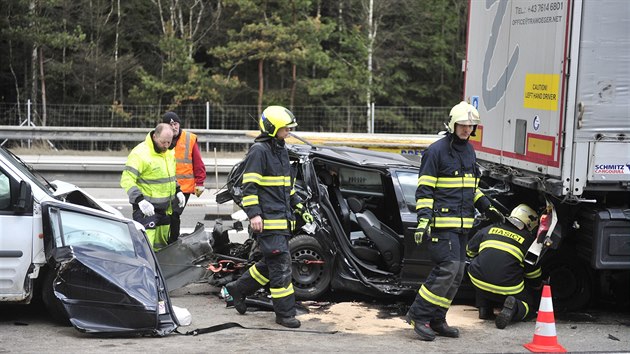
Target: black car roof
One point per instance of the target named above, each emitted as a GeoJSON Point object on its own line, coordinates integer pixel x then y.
{"type": "Point", "coordinates": [350, 155]}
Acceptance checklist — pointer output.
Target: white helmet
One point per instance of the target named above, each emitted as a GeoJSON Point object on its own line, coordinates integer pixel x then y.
{"type": "Point", "coordinates": [465, 114]}
{"type": "Point", "coordinates": [523, 216]}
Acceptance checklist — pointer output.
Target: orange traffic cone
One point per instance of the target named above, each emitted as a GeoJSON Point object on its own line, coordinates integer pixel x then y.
{"type": "Point", "coordinates": [545, 339]}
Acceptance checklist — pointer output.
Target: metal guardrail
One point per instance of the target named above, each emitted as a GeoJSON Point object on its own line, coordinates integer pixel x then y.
{"type": "Point", "coordinates": [401, 143]}
{"type": "Point", "coordinates": [103, 171]}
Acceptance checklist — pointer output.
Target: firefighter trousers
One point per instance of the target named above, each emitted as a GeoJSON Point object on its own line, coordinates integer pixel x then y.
{"type": "Point", "coordinates": [273, 269]}
{"type": "Point", "coordinates": [448, 252]}
{"type": "Point", "coordinates": [524, 303]}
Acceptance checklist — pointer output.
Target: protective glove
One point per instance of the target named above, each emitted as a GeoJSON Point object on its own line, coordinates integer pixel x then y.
{"type": "Point", "coordinates": [199, 190]}
{"type": "Point", "coordinates": [422, 228]}
{"type": "Point", "coordinates": [493, 214]}
{"type": "Point", "coordinates": [307, 217]}
{"type": "Point", "coordinates": [181, 199]}
{"type": "Point", "coordinates": [146, 207]}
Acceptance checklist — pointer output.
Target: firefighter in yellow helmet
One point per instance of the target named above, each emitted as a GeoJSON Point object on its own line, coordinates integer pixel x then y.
{"type": "Point", "coordinates": [446, 198]}
{"type": "Point", "coordinates": [270, 202]}
{"type": "Point", "coordinates": [498, 270]}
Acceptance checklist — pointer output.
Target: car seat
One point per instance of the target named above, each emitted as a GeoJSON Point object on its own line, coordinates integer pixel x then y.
{"type": "Point", "coordinates": [337, 200]}
{"type": "Point", "coordinates": [384, 238]}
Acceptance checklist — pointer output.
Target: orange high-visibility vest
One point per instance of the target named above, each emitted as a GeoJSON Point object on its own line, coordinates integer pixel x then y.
{"type": "Point", "coordinates": [183, 157]}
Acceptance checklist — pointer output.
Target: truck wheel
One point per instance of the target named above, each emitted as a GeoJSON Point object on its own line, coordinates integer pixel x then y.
{"type": "Point", "coordinates": [310, 268]}
{"type": "Point", "coordinates": [571, 281]}
{"type": "Point", "coordinates": [53, 305]}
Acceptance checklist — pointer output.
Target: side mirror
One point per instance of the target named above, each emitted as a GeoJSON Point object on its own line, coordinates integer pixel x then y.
{"type": "Point", "coordinates": [24, 201]}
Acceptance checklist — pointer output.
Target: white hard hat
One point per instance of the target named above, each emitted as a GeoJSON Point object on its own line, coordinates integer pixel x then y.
{"type": "Point", "coordinates": [463, 113]}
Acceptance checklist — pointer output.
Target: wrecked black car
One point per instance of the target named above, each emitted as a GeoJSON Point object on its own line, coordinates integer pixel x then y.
{"type": "Point", "coordinates": [361, 241]}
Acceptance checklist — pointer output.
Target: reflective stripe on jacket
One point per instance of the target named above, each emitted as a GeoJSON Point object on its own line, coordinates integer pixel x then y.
{"type": "Point", "coordinates": [268, 186]}
{"type": "Point", "coordinates": [498, 265]}
{"type": "Point", "coordinates": [447, 185]}
{"type": "Point", "coordinates": [150, 175]}
{"type": "Point", "coordinates": [184, 158]}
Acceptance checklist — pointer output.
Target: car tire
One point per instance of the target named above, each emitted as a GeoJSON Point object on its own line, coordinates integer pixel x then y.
{"type": "Point", "coordinates": [310, 280]}
{"type": "Point", "coordinates": [53, 305]}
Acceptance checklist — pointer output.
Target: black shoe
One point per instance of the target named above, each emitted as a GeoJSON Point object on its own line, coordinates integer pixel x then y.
{"type": "Point", "coordinates": [486, 313]}
{"type": "Point", "coordinates": [290, 322]}
{"type": "Point", "coordinates": [422, 329]}
{"type": "Point", "coordinates": [237, 297]}
{"type": "Point", "coordinates": [507, 313]}
{"type": "Point", "coordinates": [441, 328]}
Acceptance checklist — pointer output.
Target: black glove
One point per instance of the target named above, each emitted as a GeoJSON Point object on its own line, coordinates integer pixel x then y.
{"type": "Point", "coordinates": [493, 214]}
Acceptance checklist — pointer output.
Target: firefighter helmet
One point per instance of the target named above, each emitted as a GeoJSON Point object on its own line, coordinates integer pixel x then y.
{"type": "Point", "coordinates": [524, 216]}
{"type": "Point", "coordinates": [463, 113]}
{"type": "Point", "coordinates": [274, 118]}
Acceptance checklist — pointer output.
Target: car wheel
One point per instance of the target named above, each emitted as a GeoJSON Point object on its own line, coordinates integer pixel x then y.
{"type": "Point", "coordinates": [53, 305]}
{"type": "Point", "coordinates": [310, 267]}
{"type": "Point", "coordinates": [571, 281]}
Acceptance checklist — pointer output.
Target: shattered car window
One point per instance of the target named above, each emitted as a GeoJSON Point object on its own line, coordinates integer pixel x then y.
{"type": "Point", "coordinates": [91, 231]}
{"type": "Point", "coordinates": [408, 181]}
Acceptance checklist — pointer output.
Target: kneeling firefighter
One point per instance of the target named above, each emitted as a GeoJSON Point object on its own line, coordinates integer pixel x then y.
{"type": "Point", "coordinates": [270, 201]}
{"type": "Point", "coordinates": [498, 270]}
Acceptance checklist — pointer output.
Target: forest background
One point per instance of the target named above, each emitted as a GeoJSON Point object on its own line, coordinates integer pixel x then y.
{"type": "Point", "coordinates": [173, 53]}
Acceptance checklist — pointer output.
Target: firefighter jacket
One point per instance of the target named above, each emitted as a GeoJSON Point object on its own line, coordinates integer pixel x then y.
{"type": "Point", "coordinates": [498, 265]}
{"type": "Point", "coordinates": [191, 171]}
{"type": "Point", "coordinates": [447, 185]}
{"type": "Point", "coordinates": [150, 175]}
{"type": "Point", "coordinates": [268, 186]}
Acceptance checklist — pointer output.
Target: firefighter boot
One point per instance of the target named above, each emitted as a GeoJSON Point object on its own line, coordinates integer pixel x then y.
{"type": "Point", "coordinates": [486, 313]}
{"type": "Point", "coordinates": [441, 328]}
{"type": "Point", "coordinates": [423, 330]}
{"type": "Point", "coordinates": [290, 322]}
{"type": "Point", "coordinates": [507, 313]}
{"type": "Point", "coordinates": [237, 297]}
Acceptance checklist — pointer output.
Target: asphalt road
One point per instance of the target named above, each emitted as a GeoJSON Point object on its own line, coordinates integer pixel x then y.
{"type": "Point", "coordinates": [358, 327]}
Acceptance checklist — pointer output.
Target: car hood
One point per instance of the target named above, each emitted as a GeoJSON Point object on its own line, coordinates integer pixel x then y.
{"type": "Point", "coordinates": [73, 194]}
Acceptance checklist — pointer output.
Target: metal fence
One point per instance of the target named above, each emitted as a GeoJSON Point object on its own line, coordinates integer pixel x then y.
{"type": "Point", "coordinates": [351, 119]}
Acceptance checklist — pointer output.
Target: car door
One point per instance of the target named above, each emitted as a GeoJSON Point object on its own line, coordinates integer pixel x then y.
{"type": "Point", "coordinates": [107, 276]}
{"type": "Point", "coordinates": [417, 262]}
{"type": "Point", "coordinates": [16, 236]}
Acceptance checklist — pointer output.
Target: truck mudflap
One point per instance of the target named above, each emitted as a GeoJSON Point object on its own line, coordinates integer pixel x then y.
{"type": "Point", "coordinates": [105, 275]}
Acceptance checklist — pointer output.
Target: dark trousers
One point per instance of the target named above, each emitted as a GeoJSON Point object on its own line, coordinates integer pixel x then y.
{"type": "Point", "coordinates": [176, 220]}
{"type": "Point", "coordinates": [525, 303]}
{"type": "Point", "coordinates": [448, 252]}
{"type": "Point", "coordinates": [273, 269]}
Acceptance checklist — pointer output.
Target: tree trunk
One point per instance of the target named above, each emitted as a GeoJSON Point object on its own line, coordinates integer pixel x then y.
{"type": "Point", "coordinates": [43, 80]}
{"type": "Point", "coordinates": [260, 85]}
{"type": "Point", "coordinates": [370, 49]}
